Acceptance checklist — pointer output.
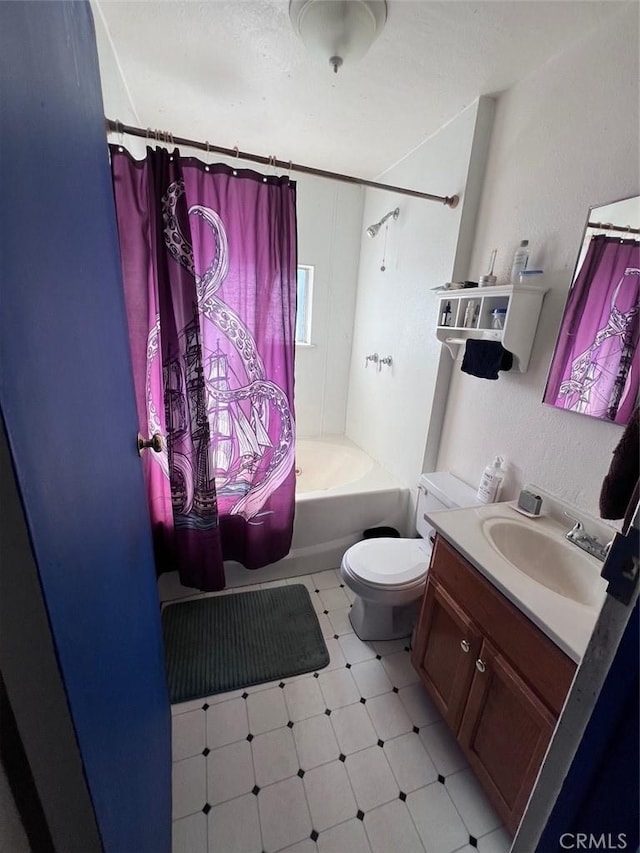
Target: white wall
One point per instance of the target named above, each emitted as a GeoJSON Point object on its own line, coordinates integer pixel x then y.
{"type": "Point", "coordinates": [329, 228]}
{"type": "Point", "coordinates": [563, 139]}
{"type": "Point", "coordinates": [329, 222]}
{"type": "Point", "coordinates": [116, 99]}
{"type": "Point", "coordinates": [389, 412]}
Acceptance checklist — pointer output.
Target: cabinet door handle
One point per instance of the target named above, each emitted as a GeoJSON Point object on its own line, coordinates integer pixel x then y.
{"type": "Point", "coordinates": [480, 665]}
{"type": "Point", "coordinates": [464, 645]}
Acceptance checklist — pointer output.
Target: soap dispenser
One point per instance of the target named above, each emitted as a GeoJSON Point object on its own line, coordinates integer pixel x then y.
{"type": "Point", "coordinates": [491, 481]}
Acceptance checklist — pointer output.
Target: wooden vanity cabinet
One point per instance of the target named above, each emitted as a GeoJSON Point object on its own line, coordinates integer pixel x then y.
{"type": "Point", "coordinates": [447, 645]}
{"type": "Point", "coordinates": [498, 681]}
{"type": "Point", "coordinates": [504, 733]}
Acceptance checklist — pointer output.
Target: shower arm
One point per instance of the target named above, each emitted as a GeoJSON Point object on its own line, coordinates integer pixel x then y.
{"type": "Point", "coordinates": [395, 213]}
{"type": "Point", "coordinates": [372, 230]}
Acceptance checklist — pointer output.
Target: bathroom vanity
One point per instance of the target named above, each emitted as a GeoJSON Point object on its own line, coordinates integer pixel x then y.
{"type": "Point", "coordinates": [496, 649]}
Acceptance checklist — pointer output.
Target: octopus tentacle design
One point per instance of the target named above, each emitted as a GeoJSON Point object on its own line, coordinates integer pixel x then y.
{"type": "Point", "coordinates": [590, 386]}
{"type": "Point", "coordinates": [210, 281]}
{"type": "Point", "coordinates": [256, 444]}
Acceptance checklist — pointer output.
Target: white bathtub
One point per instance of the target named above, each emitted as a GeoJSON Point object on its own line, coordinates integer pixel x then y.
{"type": "Point", "coordinates": [340, 491]}
{"type": "Point", "coordinates": [329, 465]}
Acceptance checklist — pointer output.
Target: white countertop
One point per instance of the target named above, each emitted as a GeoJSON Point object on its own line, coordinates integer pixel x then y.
{"type": "Point", "coordinates": [566, 622]}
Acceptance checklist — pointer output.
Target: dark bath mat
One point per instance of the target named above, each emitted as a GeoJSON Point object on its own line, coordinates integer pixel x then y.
{"type": "Point", "coordinates": [229, 641]}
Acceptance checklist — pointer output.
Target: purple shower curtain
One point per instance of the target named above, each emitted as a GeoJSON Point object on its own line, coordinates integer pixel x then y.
{"type": "Point", "coordinates": [209, 267]}
{"type": "Point", "coordinates": [595, 365]}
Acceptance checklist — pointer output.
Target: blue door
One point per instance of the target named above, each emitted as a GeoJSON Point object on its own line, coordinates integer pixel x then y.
{"type": "Point", "coordinates": [66, 395]}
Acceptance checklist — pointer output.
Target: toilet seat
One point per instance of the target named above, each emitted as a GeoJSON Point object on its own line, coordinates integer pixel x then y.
{"type": "Point", "coordinates": [388, 563]}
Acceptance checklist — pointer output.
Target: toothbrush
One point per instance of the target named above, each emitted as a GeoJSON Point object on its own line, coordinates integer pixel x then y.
{"type": "Point", "coordinates": [492, 261]}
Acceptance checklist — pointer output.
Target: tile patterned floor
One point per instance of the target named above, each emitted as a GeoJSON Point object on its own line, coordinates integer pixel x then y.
{"type": "Point", "coordinates": [351, 759]}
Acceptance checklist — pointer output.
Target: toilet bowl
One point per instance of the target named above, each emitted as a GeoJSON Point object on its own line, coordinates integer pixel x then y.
{"type": "Point", "coordinates": [388, 576]}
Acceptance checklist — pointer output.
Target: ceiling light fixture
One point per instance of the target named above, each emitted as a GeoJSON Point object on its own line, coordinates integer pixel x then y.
{"type": "Point", "coordinates": [338, 30]}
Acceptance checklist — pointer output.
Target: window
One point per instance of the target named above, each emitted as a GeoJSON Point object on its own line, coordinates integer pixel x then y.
{"type": "Point", "coordinates": [305, 295]}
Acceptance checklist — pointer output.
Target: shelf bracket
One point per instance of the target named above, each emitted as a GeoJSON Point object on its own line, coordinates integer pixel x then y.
{"type": "Point", "coordinates": [450, 343]}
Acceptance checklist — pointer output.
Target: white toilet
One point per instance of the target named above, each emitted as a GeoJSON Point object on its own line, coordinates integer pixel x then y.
{"type": "Point", "coordinates": [388, 576]}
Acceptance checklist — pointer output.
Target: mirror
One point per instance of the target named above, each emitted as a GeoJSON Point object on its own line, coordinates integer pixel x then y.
{"type": "Point", "coordinates": [594, 369]}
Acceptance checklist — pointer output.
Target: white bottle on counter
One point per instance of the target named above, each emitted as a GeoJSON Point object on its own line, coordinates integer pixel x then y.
{"type": "Point", "coordinates": [491, 481]}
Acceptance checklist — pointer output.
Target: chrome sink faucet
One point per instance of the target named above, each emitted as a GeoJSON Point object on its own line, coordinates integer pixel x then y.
{"type": "Point", "coordinates": [590, 544]}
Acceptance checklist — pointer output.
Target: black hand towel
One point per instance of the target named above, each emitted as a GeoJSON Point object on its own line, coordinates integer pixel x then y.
{"type": "Point", "coordinates": [485, 358]}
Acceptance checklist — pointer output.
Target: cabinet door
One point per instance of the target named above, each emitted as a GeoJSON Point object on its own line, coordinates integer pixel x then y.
{"type": "Point", "coordinates": [504, 733]}
{"type": "Point", "coordinates": [445, 650]}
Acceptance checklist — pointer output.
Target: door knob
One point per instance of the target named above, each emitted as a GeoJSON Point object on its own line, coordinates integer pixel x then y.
{"type": "Point", "coordinates": [464, 645]}
{"type": "Point", "coordinates": [155, 443]}
{"type": "Point", "coordinates": [480, 665]}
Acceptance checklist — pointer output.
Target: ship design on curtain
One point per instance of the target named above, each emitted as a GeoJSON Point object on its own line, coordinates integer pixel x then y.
{"type": "Point", "coordinates": [229, 430]}
{"type": "Point", "coordinates": [595, 369]}
{"type": "Point", "coordinates": [193, 494]}
{"type": "Point", "coordinates": [599, 374]}
{"type": "Point", "coordinates": [236, 443]}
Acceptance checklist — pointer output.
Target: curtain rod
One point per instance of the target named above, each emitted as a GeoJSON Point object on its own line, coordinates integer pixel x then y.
{"type": "Point", "coordinates": [607, 226]}
{"type": "Point", "coordinates": [169, 138]}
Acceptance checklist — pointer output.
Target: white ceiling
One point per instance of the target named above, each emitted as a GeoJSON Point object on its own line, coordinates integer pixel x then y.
{"type": "Point", "coordinates": [234, 72]}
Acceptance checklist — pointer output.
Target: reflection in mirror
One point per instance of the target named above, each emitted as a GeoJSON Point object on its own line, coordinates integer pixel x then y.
{"type": "Point", "coordinates": [594, 370]}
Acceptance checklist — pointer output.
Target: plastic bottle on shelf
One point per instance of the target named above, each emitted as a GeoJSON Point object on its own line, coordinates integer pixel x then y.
{"type": "Point", "coordinates": [470, 315]}
{"type": "Point", "coordinates": [446, 315]}
{"type": "Point", "coordinates": [519, 263]}
{"type": "Point", "coordinates": [491, 481]}
{"type": "Point", "coordinates": [497, 318]}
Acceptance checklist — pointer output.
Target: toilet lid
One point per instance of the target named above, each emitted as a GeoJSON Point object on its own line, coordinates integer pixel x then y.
{"type": "Point", "coordinates": [389, 562]}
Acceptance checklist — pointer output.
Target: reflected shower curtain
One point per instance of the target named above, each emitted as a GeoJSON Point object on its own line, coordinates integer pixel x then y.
{"type": "Point", "coordinates": [595, 365]}
{"type": "Point", "coordinates": [209, 267]}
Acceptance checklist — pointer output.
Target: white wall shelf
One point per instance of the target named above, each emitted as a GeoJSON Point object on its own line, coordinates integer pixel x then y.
{"type": "Point", "coordinates": [522, 303]}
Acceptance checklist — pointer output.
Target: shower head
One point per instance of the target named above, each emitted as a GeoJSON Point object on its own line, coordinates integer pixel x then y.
{"type": "Point", "coordinates": [372, 230]}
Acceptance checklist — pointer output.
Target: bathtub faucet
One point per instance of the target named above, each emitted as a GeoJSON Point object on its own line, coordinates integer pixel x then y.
{"type": "Point", "coordinates": [374, 358]}
{"type": "Point", "coordinates": [386, 360]}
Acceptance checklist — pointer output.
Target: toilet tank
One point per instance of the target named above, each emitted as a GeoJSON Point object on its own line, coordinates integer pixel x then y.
{"type": "Point", "coordinates": [439, 491]}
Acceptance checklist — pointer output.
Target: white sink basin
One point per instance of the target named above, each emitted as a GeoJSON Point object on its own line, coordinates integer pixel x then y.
{"type": "Point", "coordinates": [549, 561]}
